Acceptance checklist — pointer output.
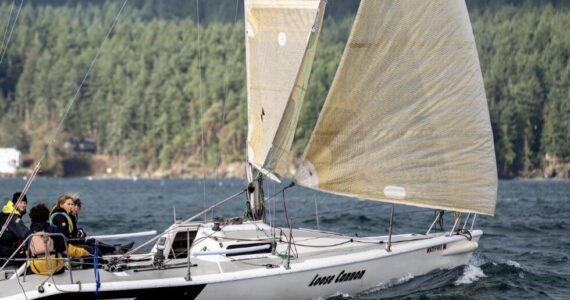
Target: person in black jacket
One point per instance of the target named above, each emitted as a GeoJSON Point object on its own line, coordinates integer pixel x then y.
{"type": "Point", "coordinates": [60, 215]}
{"type": "Point", "coordinates": [78, 235]}
{"type": "Point", "coordinates": [16, 231]}
{"type": "Point", "coordinates": [52, 245]}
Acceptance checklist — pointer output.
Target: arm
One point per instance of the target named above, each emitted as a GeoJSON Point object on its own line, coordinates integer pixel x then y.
{"type": "Point", "coordinates": [74, 251]}
{"type": "Point", "coordinates": [18, 228]}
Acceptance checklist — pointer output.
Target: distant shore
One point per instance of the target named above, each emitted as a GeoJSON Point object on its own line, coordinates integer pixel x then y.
{"type": "Point", "coordinates": [108, 167]}
{"type": "Point", "coordinates": [231, 174]}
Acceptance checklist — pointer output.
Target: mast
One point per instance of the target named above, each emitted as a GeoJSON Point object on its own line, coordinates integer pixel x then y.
{"type": "Point", "coordinates": [255, 206]}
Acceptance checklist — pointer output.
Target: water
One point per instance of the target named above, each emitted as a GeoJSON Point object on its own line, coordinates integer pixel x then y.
{"type": "Point", "coordinates": [524, 253]}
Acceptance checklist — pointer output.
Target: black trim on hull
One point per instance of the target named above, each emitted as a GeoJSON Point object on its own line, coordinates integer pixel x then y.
{"type": "Point", "coordinates": [163, 293]}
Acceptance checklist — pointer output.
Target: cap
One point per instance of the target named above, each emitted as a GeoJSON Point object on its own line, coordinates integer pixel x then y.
{"type": "Point", "coordinates": [17, 195]}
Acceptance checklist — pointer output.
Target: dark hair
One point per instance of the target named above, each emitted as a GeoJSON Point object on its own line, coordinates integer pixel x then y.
{"type": "Point", "coordinates": [16, 196]}
{"type": "Point", "coordinates": [78, 202]}
{"type": "Point", "coordinates": [39, 213]}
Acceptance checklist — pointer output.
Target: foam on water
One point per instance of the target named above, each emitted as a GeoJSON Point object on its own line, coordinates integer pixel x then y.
{"type": "Point", "coordinates": [390, 283]}
{"type": "Point", "coordinates": [335, 295]}
{"type": "Point", "coordinates": [470, 274]}
{"type": "Point", "coordinates": [513, 264]}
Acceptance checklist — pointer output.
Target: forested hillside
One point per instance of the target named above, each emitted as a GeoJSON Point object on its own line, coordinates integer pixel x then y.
{"type": "Point", "coordinates": [145, 105]}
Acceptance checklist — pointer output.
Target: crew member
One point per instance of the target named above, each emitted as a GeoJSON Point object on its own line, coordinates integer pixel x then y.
{"type": "Point", "coordinates": [78, 235]}
{"type": "Point", "coordinates": [60, 217]}
{"type": "Point", "coordinates": [16, 231]}
{"type": "Point", "coordinates": [51, 244]}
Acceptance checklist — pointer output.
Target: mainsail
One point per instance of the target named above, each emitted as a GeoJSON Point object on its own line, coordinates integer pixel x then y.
{"type": "Point", "coordinates": [406, 120]}
{"type": "Point", "coordinates": [281, 38]}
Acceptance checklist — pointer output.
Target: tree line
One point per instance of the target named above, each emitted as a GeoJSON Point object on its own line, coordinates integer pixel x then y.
{"type": "Point", "coordinates": [169, 94]}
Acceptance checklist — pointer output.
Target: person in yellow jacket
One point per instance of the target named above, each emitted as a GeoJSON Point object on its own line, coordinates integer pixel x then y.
{"type": "Point", "coordinates": [47, 251]}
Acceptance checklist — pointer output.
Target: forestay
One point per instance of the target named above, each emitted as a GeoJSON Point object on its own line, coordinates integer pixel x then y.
{"type": "Point", "coordinates": [406, 120]}
{"type": "Point", "coordinates": [281, 38]}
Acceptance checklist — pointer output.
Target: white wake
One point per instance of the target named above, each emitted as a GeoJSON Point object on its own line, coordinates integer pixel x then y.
{"type": "Point", "coordinates": [470, 274]}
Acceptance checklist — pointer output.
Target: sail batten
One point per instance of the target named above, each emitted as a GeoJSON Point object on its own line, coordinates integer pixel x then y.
{"type": "Point", "coordinates": [406, 119]}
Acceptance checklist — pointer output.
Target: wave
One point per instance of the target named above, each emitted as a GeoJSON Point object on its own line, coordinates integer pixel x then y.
{"type": "Point", "coordinates": [513, 263]}
{"type": "Point", "coordinates": [470, 274]}
{"type": "Point", "coordinates": [336, 296]}
{"type": "Point", "coordinates": [388, 284]}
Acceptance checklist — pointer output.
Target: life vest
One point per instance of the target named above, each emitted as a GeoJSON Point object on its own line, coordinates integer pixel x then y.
{"type": "Point", "coordinates": [69, 221]}
{"type": "Point", "coordinates": [44, 260]}
{"type": "Point", "coordinates": [40, 244]}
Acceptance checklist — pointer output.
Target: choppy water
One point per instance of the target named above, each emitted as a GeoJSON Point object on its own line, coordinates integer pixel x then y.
{"type": "Point", "coordinates": [524, 253]}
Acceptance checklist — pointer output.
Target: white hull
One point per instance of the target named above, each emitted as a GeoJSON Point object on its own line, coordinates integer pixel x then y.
{"type": "Point", "coordinates": [351, 267]}
{"type": "Point", "coordinates": [294, 284]}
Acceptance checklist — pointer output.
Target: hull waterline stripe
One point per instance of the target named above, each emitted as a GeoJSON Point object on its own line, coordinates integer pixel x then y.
{"type": "Point", "coordinates": [163, 293]}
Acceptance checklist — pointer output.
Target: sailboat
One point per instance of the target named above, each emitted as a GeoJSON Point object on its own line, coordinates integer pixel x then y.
{"type": "Point", "coordinates": [405, 122]}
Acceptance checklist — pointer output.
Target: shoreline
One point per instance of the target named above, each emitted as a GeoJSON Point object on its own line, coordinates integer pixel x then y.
{"type": "Point", "coordinates": [24, 176]}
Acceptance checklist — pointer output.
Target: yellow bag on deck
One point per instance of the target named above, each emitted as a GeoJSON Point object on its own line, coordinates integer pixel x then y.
{"type": "Point", "coordinates": [47, 266]}
{"type": "Point", "coordinates": [44, 259]}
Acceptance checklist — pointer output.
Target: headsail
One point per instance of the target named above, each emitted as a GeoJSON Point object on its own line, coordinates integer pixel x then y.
{"type": "Point", "coordinates": [406, 120]}
{"type": "Point", "coordinates": [281, 39]}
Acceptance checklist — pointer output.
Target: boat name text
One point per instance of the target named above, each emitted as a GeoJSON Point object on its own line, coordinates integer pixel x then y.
{"type": "Point", "coordinates": [341, 277]}
{"type": "Point", "coordinates": [436, 248]}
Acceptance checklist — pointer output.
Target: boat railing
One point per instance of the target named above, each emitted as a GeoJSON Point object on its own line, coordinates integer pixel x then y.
{"type": "Point", "coordinates": [25, 243]}
{"type": "Point", "coordinates": [456, 223]}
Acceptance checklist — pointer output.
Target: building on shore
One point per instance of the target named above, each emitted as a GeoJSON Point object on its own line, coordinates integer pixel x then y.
{"type": "Point", "coordinates": [9, 160]}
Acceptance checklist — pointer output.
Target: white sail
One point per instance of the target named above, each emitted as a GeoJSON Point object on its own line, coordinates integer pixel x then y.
{"type": "Point", "coordinates": [279, 57]}
{"type": "Point", "coordinates": [406, 120]}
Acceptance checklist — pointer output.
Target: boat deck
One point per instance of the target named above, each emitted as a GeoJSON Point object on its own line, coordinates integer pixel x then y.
{"type": "Point", "coordinates": [308, 246]}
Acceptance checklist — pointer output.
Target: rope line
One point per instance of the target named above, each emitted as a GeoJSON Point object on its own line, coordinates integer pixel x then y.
{"type": "Point", "coordinates": [224, 100]}
{"type": "Point", "coordinates": [194, 217]}
{"type": "Point", "coordinates": [5, 46]}
{"type": "Point", "coordinates": [8, 23]}
{"type": "Point", "coordinates": [24, 191]}
{"type": "Point", "coordinates": [67, 110]}
{"type": "Point", "coordinates": [185, 221]}
{"type": "Point", "coordinates": [22, 287]}
{"type": "Point", "coordinates": [201, 108]}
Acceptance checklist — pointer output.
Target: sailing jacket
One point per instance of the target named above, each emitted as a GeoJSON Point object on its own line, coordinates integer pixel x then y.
{"type": "Point", "coordinates": [16, 231]}
{"type": "Point", "coordinates": [65, 224]}
{"type": "Point", "coordinates": [75, 231]}
{"type": "Point", "coordinates": [63, 221]}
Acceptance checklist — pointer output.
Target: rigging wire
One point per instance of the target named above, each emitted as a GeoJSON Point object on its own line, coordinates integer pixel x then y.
{"type": "Point", "coordinates": [316, 208]}
{"type": "Point", "coordinates": [184, 222]}
{"type": "Point", "coordinates": [66, 113]}
{"type": "Point", "coordinates": [5, 45]}
{"type": "Point", "coordinates": [224, 100]}
{"type": "Point", "coordinates": [22, 287]}
{"type": "Point", "coordinates": [290, 239]}
{"type": "Point", "coordinates": [364, 208]}
{"type": "Point", "coordinates": [24, 191]}
{"type": "Point", "coordinates": [198, 215]}
{"type": "Point", "coordinates": [201, 108]}
{"type": "Point", "coordinates": [8, 23]}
